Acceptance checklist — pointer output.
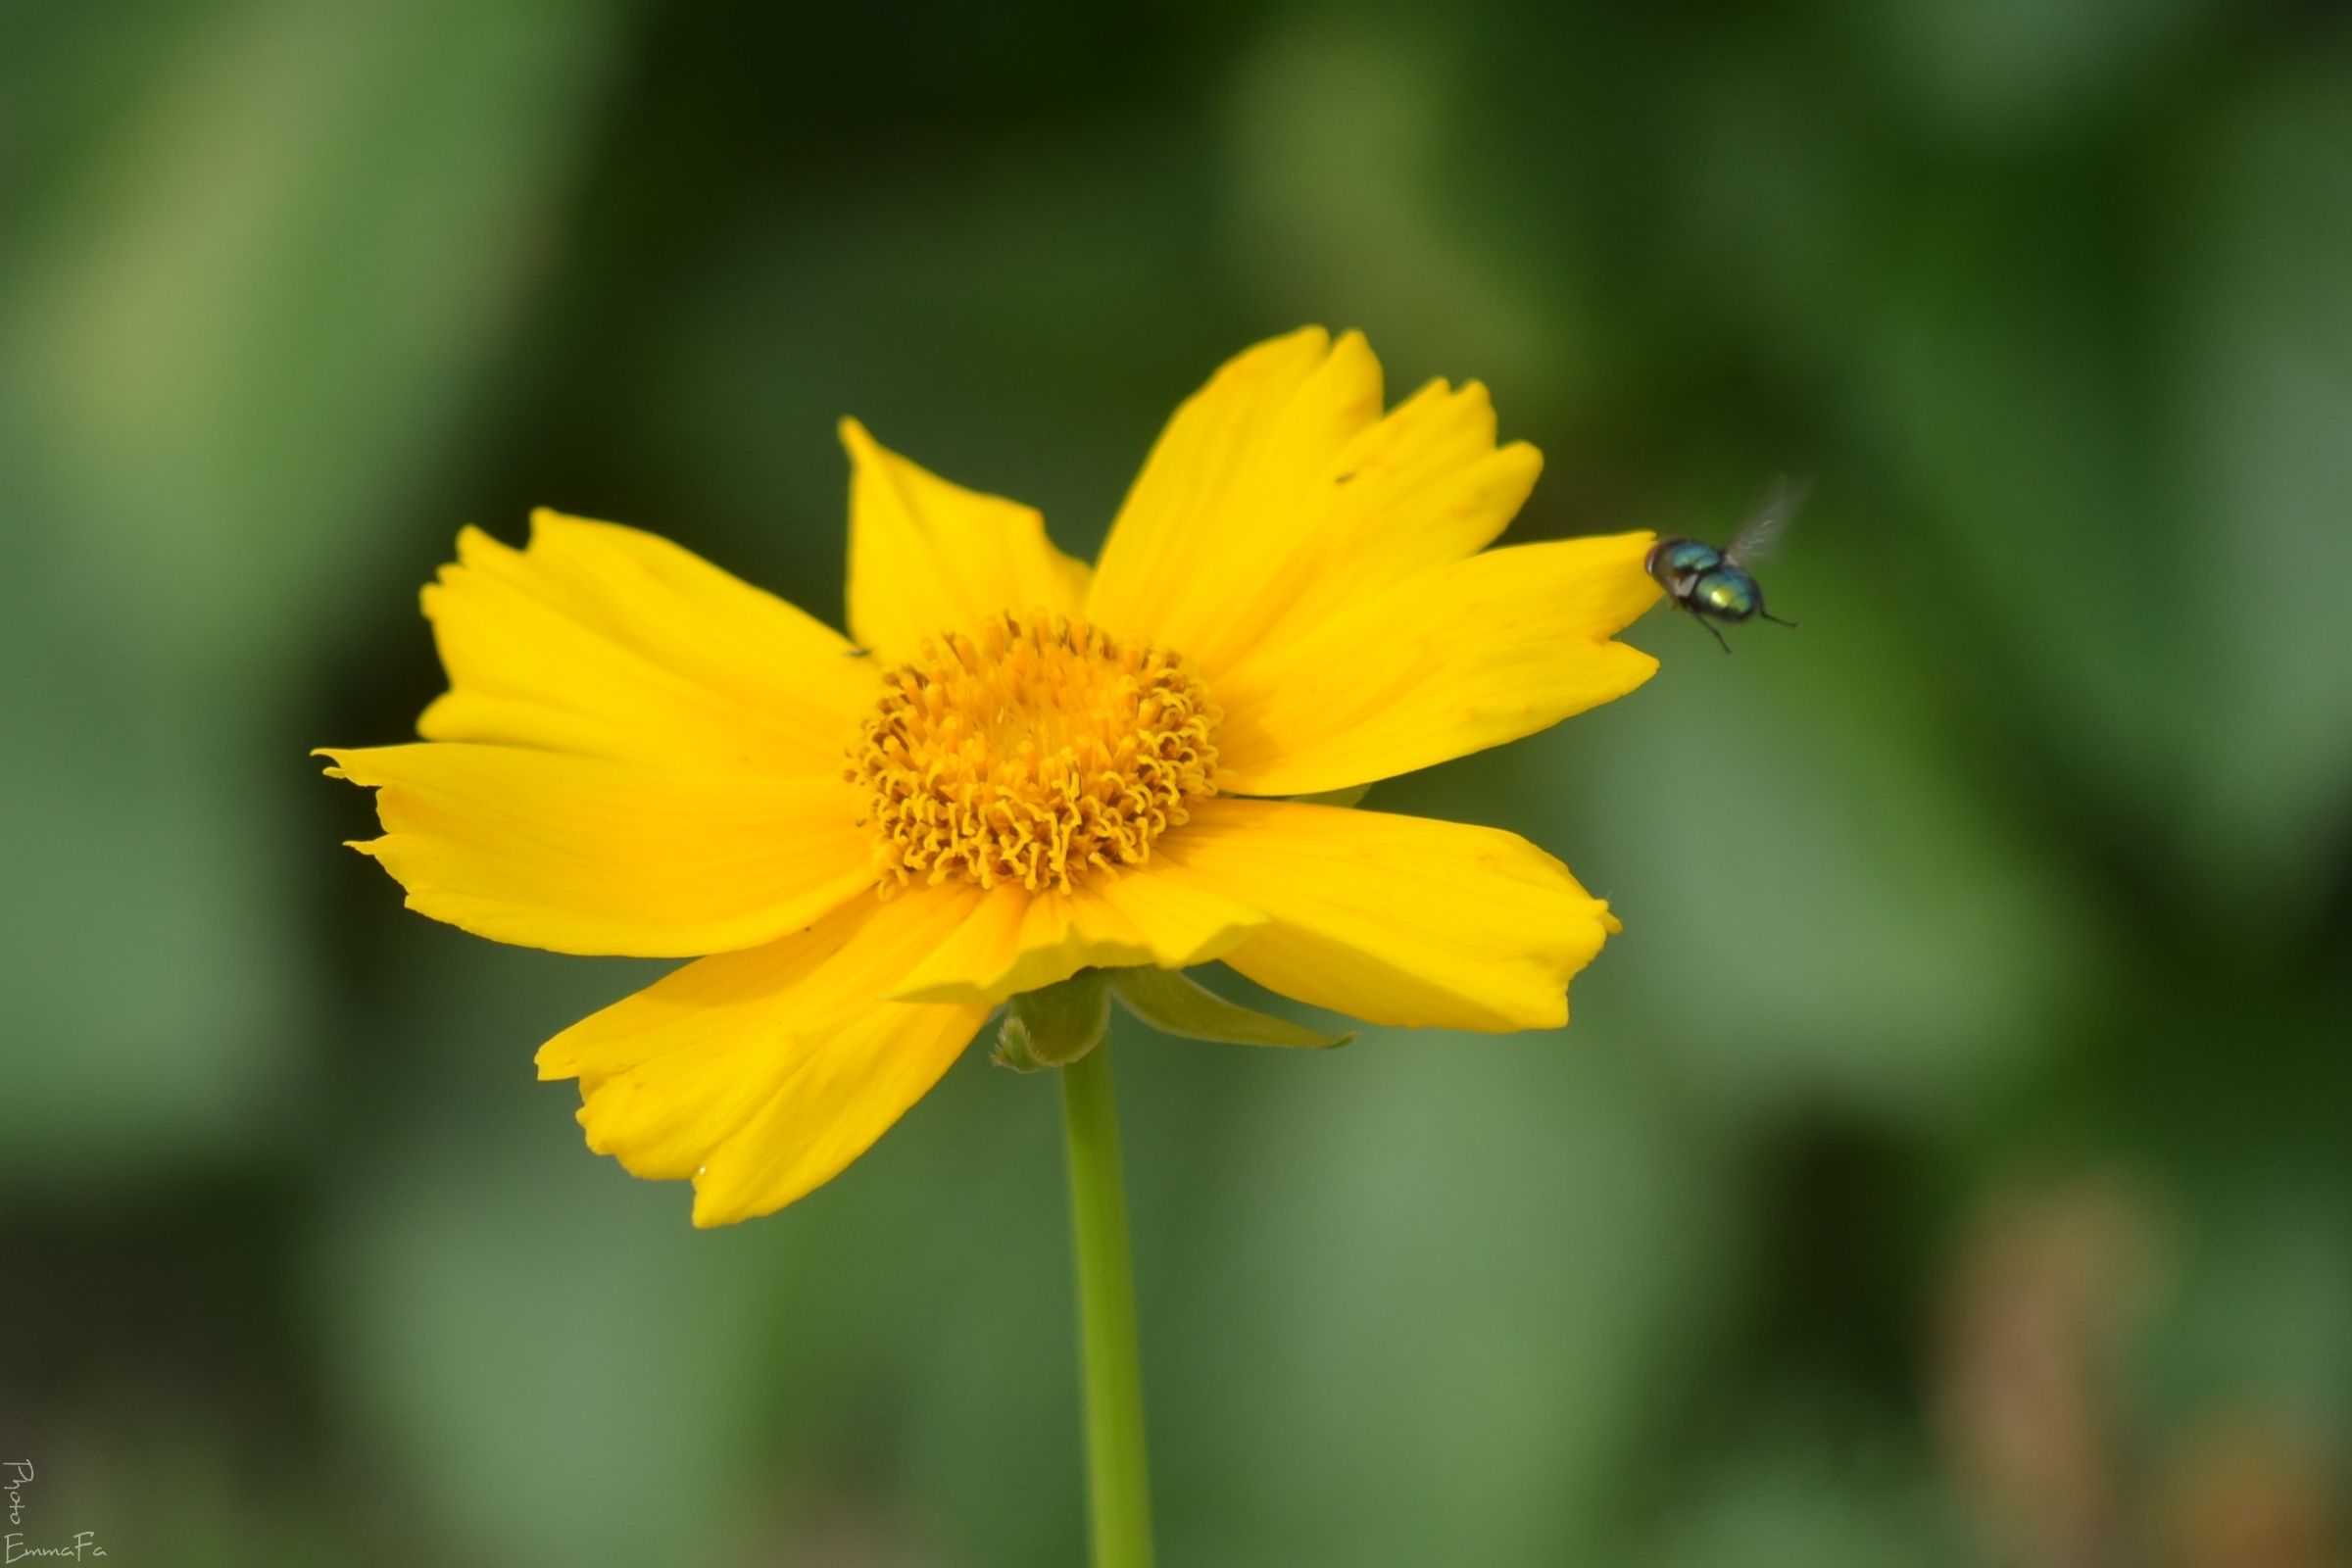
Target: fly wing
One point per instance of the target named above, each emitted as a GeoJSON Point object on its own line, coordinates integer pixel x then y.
{"type": "Point", "coordinates": [1761, 530]}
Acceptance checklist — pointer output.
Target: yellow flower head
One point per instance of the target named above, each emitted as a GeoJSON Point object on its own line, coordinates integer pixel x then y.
{"type": "Point", "coordinates": [1022, 768]}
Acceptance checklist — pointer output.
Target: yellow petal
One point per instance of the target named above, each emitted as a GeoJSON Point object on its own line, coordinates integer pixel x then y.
{"type": "Point", "coordinates": [1395, 920]}
{"type": "Point", "coordinates": [1469, 656]}
{"type": "Point", "coordinates": [928, 556]}
{"type": "Point", "coordinates": [580, 855]}
{"type": "Point", "coordinates": [762, 1074]}
{"type": "Point", "coordinates": [1017, 941]}
{"type": "Point", "coordinates": [851, 1089]}
{"type": "Point", "coordinates": [608, 641]}
{"type": "Point", "coordinates": [1279, 491]}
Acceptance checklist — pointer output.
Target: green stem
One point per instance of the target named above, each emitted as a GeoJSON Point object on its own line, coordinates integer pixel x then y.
{"type": "Point", "coordinates": [1119, 1485]}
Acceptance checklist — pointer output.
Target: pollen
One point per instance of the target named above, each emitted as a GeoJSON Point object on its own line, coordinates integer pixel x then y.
{"type": "Point", "coordinates": [1040, 752]}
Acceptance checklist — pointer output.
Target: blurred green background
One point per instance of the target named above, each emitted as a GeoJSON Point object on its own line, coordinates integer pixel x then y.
{"type": "Point", "coordinates": [1950, 1164]}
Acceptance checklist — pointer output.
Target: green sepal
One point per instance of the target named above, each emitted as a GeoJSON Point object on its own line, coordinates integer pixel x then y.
{"type": "Point", "coordinates": [1055, 1025]}
{"type": "Point", "coordinates": [1013, 1045]}
{"type": "Point", "coordinates": [1173, 1004]}
{"type": "Point", "coordinates": [1349, 796]}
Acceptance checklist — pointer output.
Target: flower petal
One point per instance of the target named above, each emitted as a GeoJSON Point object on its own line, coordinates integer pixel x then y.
{"type": "Point", "coordinates": [762, 1074]}
{"type": "Point", "coordinates": [580, 855]}
{"type": "Point", "coordinates": [928, 556]}
{"type": "Point", "coordinates": [1018, 940]}
{"type": "Point", "coordinates": [1395, 919]}
{"type": "Point", "coordinates": [608, 641]}
{"type": "Point", "coordinates": [848, 1090]}
{"type": "Point", "coordinates": [1453, 661]}
{"type": "Point", "coordinates": [1279, 491]}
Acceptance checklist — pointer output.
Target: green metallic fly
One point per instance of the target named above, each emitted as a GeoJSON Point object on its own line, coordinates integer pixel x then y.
{"type": "Point", "coordinates": [1714, 584]}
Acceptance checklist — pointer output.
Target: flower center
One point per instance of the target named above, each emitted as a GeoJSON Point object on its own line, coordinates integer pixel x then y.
{"type": "Point", "coordinates": [1038, 751]}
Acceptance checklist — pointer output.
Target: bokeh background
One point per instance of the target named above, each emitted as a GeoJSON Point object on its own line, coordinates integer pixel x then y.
{"type": "Point", "coordinates": [1950, 1164]}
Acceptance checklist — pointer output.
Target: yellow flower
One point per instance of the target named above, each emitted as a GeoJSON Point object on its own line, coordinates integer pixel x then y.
{"type": "Point", "coordinates": [1020, 768]}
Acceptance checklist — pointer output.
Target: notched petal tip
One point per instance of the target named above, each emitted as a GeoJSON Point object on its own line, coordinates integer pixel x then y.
{"type": "Point", "coordinates": [1636, 664]}
{"type": "Point", "coordinates": [475, 544]}
{"type": "Point", "coordinates": [555, 1066]}
{"type": "Point", "coordinates": [349, 763]}
{"type": "Point", "coordinates": [1314, 332]}
{"type": "Point", "coordinates": [1517, 455]}
{"type": "Point", "coordinates": [1351, 345]}
{"type": "Point", "coordinates": [710, 1215]}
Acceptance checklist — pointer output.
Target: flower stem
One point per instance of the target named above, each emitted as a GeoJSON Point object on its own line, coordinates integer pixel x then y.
{"type": "Point", "coordinates": [1119, 1485]}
